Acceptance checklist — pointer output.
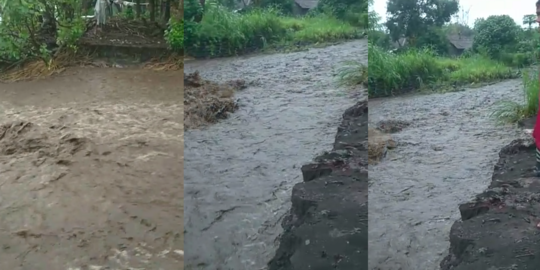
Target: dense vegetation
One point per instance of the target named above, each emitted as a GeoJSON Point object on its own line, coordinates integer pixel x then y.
{"type": "Point", "coordinates": [413, 49]}
{"type": "Point", "coordinates": [39, 29]}
{"type": "Point", "coordinates": [227, 27]}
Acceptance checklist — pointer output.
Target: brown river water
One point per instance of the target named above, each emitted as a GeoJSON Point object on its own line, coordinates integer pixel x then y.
{"type": "Point", "coordinates": [91, 171]}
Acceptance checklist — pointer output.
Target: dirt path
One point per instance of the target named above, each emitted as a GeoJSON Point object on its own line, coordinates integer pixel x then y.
{"type": "Point", "coordinates": [443, 159]}
{"type": "Point", "coordinates": [91, 172]}
{"type": "Point", "coordinates": [240, 172]}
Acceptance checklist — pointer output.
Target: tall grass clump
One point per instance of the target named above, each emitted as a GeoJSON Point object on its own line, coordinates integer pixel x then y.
{"type": "Point", "coordinates": [476, 69]}
{"type": "Point", "coordinates": [391, 74]}
{"type": "Point", "coordinates": [318, 28]}
{"type": "Point", "coordinates": [508, 111]}
{"type": "Point", "coordinates": [352, 73]}
{"type": "Point", "coordinates": [224, 33]}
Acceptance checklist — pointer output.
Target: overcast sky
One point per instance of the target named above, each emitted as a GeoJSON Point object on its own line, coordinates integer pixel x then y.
{"type": "Point", "coordinates": [483, 8]}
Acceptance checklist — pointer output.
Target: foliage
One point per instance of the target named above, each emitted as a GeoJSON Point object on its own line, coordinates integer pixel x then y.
{"type": "Point", "coordinates": [380, 39]}
{"type": "Point", "coordinates": [39, 29]}
{"type": "Point", "coordinates": [175, 35]}
{"type": "Point", "coordinates": [351, 11]}
{"type": "Point", "coordinates": [495, 34]}
{"type": "Point", "coordinates": [435, 39]}
{"type": "Point", "coordinates": [374, 19]}
{"type": "Point", "coordinates": [511, 111]}
{"type": "Point", "coordinates": [222, 32]}
{"type": "Point", "coordinates": [27, 28]}
{"type": "Point", "coordinates": [411, 18]}
{"type": "Point", "coordinates": [391, 74]}
{"type": "Point", "coordinates": [529, 20]}
{"type": "Point", "coordinates": [352, 73]}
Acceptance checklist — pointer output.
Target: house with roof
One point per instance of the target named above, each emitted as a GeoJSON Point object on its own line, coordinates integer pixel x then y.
{"type": "Point", "coordinates": [302, 7]}
{"type": "Point", "coordinates": [459, 43]}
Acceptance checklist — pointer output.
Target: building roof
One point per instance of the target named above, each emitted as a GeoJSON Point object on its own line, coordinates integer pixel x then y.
{"type": "Point", "coordinates": [307, 4]}
{"type": "Point", "coordinates": [460, 41]}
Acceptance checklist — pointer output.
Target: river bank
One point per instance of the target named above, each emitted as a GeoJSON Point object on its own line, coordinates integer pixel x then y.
{"type": "Point", "coordinates": [446, 147]}
{"type": "Point", "coordinates": [499, 229]}
{"type": "Point", "coordinates": [327, 225]}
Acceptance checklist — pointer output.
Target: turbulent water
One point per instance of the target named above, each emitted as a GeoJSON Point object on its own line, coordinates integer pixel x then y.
{"type": "Point", "coordinates": [444, 158]}
{"type": "Point", "coordinates": [239, 173]}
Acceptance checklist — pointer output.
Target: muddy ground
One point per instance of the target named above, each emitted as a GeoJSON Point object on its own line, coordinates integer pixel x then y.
{"type": "Point", "coordinates": [91, 172]}
{"type": "Point", "coordinates": [444, 157]}
{"type": "Point", "coordinates": [240, 171]}
{"type": "Point", "coordinates": [327, 225]}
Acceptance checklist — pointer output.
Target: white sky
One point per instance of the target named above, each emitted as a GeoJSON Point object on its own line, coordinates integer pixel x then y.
{"type": "Point", "coordinates": [483, 8]}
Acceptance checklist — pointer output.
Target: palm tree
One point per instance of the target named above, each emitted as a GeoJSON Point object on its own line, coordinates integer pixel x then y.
{"type": "Point", "coordinates": [529, 20]}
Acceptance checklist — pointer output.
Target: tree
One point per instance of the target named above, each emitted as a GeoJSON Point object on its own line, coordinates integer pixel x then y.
{"type": "Point", "coordinates": [495, 33]}
{"type": "Point", "coordinates": [373, 18]}
{"type": "Point", "coordinates": [411, 18]}
{"type": "Point", "coordinates": [529, 20]}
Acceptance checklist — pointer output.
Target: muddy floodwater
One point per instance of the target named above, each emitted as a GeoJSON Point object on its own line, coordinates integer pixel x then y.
{"type": "Point", "coordinates": [240, 172]}
{"type": "Point", "coordinates": [91, 172]}
{"type": "Point", "coordinates": [444, 158]}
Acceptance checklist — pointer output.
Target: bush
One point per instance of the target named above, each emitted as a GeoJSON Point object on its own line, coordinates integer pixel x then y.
{"type": "Point", "coordinates": [511, 111]}
{"type": "Point", "coordinates": [225, 33]}
{"type": "Point", "coordinates": [391, 74]}
{"type": "Point", "coordinates": [353, 73]}
{"type": "Point", "coordinates": [175, 35]}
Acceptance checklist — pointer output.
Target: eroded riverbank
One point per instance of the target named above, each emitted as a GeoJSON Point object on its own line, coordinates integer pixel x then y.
{"type": "Point", "coordinates": [240, 171]}
{"type": "Point", "coordinates": [327, 225]}
{"type": "Point", "coordinates": [499, 228]}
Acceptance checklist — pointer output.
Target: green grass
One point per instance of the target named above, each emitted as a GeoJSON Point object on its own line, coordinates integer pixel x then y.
{"type": "Point", "coordinates": [224, 33]}
{"type": "Point", "coordinates": [392, 74]}
{"type": "Point", "coordinates": [511, 111]}
{"type": "Point", "coordinates": [352, 73]}
{"type": "Point", "coordinates": [317, 29]}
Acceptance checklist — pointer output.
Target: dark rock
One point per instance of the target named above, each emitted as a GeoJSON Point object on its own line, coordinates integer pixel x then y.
{"type": "Point", "coordinates": [327, 225]}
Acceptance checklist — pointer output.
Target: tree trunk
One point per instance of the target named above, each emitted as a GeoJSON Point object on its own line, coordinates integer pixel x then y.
{"type": "Point", "coordinates": [166, 13]}
{"type": "Point", "coordinates": [138, 9]}
{"type": "Point", "coordinates": [152, 7]}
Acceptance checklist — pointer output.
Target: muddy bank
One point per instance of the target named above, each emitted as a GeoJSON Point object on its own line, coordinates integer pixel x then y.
{"type": "Point", "coordinates": [327, 225]}
{"type": "Point", "coordinates": [447, 145]}
{"type": "Point", "coordinates": [240, 171]}
{"type": "Point", "coordinates": [500, 228]}
{"type": "Point", "coordinates": [91, 172]}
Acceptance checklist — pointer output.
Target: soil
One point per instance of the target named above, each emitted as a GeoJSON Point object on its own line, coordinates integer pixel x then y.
{"type": "Point", "coordinates": [500, 228]}
{"type": "Point", "coordinates": [327, 225]}
{"type": "Point", "coordinates": [91, 165]}
{"type": "Point", "coordinates": [240, 171]}
{"type": "Point", "coordinates": [444, 157]}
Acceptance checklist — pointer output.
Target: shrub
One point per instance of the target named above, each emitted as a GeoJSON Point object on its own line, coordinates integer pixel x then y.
{"type": "Point", "coordinates": [391, 74]}
{"type": "Point", "coordinates": [507, 111]}
{"type": "Point", "coordinates": [225, 33]}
